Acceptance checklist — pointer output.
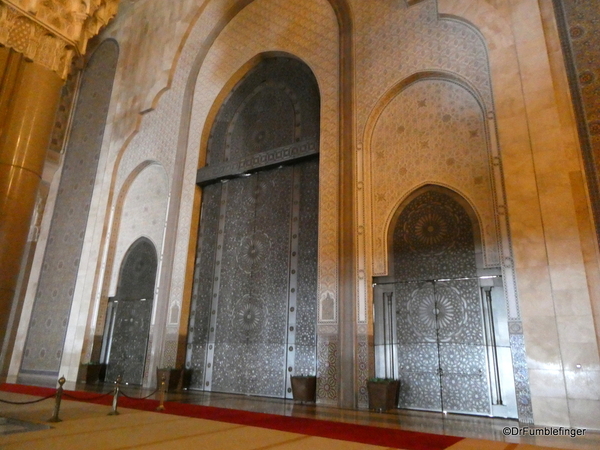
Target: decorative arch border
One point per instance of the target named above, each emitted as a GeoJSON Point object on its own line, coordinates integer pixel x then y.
{"type": "Point", "coordinates": [373, 119]}
{"type": "Point", "coordinates": [458, 196]}
{"type": "Point", "coordinates": [336, 337]}
{"type": "Point", "coordinates": [496, 30]}
{"type": "Point", "coordinates": [139, 241]}
{"type": "Point", "coordinates": [107, 273]}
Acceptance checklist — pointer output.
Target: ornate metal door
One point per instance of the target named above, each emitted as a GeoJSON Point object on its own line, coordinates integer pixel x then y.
{"type": "Point", "coordinates": [441, 347]}
{"type": "Point", "coordinates": [462, 347]}
{"type": "Point", "coordinates": [418, 346]}
{"type": "Point", "coordinates": [129, 340]}
{"type": "Point", "coordinates": [253, 316]}
{"type": "Point", "coordinates": [249, 354]}
{"type": "Point", "coordinates": [129, 314]}
{"type": "Point", "coordinates": [254, 310]}
{"type": "Point", "coordinates": [441, 350]}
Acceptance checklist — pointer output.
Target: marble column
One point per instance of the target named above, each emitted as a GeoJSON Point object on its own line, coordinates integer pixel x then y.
{"type": "Point", "coordinates": [29, 94]}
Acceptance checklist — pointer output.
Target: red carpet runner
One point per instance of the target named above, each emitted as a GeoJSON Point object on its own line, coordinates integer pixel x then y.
{"type": "Point", "coordinates": [385, 437]}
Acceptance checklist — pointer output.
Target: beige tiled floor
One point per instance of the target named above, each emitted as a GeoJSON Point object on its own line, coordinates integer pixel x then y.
{"type": "Point", "coordinates": [87, 426]}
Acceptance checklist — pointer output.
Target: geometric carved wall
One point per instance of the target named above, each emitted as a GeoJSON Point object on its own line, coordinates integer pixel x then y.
{"type": "Point", "coordinates": [433, 131]}
{"type": "Point", "coordinates": [54, 295]}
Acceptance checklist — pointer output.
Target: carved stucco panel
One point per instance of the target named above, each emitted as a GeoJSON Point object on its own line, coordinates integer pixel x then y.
{"type": "Point", "coordinates": [52, 32]}
{"type": "Point", "coordinates": [432, 132]}
{"type": "Point", "coordinates": [395, 41]}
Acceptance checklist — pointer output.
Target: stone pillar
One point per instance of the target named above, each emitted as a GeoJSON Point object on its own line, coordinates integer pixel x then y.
{"type": "Point", "coordinates": [28, 100]}
{"type": "Point", "coordinates": [37, 43]}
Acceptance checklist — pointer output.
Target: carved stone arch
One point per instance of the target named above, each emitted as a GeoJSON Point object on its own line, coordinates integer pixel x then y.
{"type": "Point", "coordinates": [187, 75]}
{"type": "Point", "coordinates": [381, 234]}
{"type": "Point", "coordinates": [137, 274]}
{"type": "Point", "coordinates": [416, 77]}
{"type": "Point", "coordinates": [116, 219]}
{"type": "Point", "coordinates": [228, 89]}
{"type": "Point", "coordinates": [455, 195]}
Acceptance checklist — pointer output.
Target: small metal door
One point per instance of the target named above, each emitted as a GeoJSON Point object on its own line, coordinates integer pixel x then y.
{"type": "Point", "coordinates": [128, 341]}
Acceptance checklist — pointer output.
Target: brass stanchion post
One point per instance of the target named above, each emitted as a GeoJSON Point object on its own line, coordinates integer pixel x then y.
{"type": "Point", "coordinates": [161, 406]}
{"type": "Point", "coordinates": [115, 402]}
{"type": "Point", "coordinates": [57, 400]}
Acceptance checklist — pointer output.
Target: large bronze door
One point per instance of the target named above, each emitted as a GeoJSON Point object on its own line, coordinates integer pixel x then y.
{"type": "Point", "coordinates": [255, 309]}
{"type": "Point", "coordinates": [253, 315]}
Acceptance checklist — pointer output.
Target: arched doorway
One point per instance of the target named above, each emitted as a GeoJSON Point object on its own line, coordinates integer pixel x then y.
{"type": "Point", "coordinates": [440, 319]}
{"type": "Point", "coordinates": [253, 313]}
{"type": "Point", "coordinates": [129, 315]}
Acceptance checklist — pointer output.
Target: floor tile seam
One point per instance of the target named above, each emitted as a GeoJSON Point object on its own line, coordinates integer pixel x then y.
{"type": "Point", "coordinates": [279, 444]}
{"type": "Point", "coordinates": [67, 434]}
{"type": "Point", "coordinates": [164, 441]}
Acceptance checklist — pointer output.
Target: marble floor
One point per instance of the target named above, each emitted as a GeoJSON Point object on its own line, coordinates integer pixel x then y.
{"type": "Point", "coordinates": [88, 426]}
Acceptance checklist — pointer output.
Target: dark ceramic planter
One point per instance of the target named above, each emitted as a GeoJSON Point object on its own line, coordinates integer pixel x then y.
{"type": "Point", "coordinates": [91, 373]}
{"type": "Point", "coordinates": [172, 378]}
{"type": "Point", "coordinates": [186, 378]}
{"type": "Point", "coordinates": [383, 394]}
{"type": "Point", "coordinates": [304, 388]}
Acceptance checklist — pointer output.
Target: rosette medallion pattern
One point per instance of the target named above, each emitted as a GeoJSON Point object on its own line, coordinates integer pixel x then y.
{"type": "Point", "coordinates": [441, 346]}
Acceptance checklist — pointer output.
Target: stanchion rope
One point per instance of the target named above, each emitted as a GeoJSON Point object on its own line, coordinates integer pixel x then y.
{"type": "Point", "coordinates": [27, 403]}
{"type": "Point", "coordinates": [97, 397]}
{"type": "Point", "coordinates": [139, 398]}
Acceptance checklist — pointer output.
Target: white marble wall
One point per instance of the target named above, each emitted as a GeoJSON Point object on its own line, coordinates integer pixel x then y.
{"type": "Point", "coordinates": [177, 59]}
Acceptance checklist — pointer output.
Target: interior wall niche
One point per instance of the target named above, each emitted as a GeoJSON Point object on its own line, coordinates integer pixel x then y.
{"type": "Point", "coordinates": [254, 300]}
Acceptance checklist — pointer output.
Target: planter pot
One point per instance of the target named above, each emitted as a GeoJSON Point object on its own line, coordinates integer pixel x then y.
{"type": "Point", "coordinates": [186, 378]}
{"type": "Point", "coordinates": [91, 373]}
{"type": "Point", "coordinates": [383, 394]}
{"type": "Point", "coordinates": [172, 378]}
{"type": "Point", "coordinates": [304, 388]}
